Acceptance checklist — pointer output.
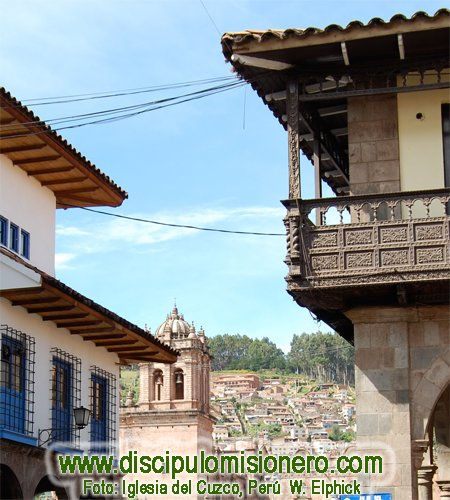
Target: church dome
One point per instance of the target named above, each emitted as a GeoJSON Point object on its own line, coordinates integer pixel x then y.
{"type": "Point", "coordinates": [175, 326]}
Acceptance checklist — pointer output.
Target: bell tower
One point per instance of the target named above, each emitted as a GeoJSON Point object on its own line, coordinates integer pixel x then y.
{"type": "Point", "coordinates": [173, 412]}
{"type": "Point", "coordinates": [185, 384]}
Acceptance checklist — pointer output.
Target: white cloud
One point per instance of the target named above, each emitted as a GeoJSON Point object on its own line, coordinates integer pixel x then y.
{"type": "Point", "coordinates": [115, 233]}
{"type": "Point", "coordinates": [62, 260]}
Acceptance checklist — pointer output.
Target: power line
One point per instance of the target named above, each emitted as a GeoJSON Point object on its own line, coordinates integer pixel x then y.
{"type": "Point", "coordinates": [211, 18]}
{"type": "Point", "coordinates": [42, 101]}
{"type": "Point", "coordinates": [149, 106]}
{"type": "Point", "coordinates": [117, 110]}
{"type": "Point", "coordinates": [183, 226]}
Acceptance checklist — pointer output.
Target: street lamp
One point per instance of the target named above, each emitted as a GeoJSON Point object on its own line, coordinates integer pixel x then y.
{"type": "Point", "coordinates": [81, 416]}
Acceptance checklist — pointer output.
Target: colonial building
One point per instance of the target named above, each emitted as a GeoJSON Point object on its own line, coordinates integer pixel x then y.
{"type": "Point", "coordinates": [173, 412]}
{"type": "Point", "coordinates": [60, 351]}
{"type": "Point", "coordinates": [368, 105]}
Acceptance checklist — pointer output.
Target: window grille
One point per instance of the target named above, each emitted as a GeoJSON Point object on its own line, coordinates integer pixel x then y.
{"type": "Point", "coordinates": [103, 410]}
{"type": "Point", "coordinates": [17, 381]}
{"type": "Point", "coordinates": [14, 237]}
{"type": "Point", "coordinates": [65, 387]}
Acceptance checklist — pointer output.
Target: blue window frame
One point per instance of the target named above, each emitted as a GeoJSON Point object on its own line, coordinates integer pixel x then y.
{"type": "Point", "coordinates": [25, 244]}
{"type": "Point", "coordinates": [65, 395]}
{"type": "Point", "coordinates": [62, 400]}
{"type": "Point", "coordinates": [103, 410]}
{"type": "Point", "coordinates": [16, 385]}
{"type": "Point", "coordinates": [99, 406]}
{"type": "Point", "coordinates": [12, 393]}
{"type": "Point", "coordinates": [3, 231]}
{"type": "Point", "coordinates": [14, 237]}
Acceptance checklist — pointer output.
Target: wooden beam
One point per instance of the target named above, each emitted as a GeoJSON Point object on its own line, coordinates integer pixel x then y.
{"type": "Point", "coordinates": [259, 62]}
{"type": "Point", "coordinates": [6, 121]}
{"type": "Point", "coordinates": [20, 149]}
{"type": "Point", "coordinates": [338, 132]}
{"type": "Point", "coordinates": [112, 342]}
{"type": "Point", "coordinates": [89, 338]}
{"type": "Point", "coordinates": [36, 310]}
{"type": "Point", "coordinates": [292, 112]}
{"type": "Point", "coordinates": [63, 181]}
{"type": "Point", "coordinates": [22, 302]}
{"type": "Point", "coordinates": [401, 46]}
{"type": "Point", "coordinates": [317, 175]}
{"type": "Point", "coordinates": [84, 199]}
{"type": "Point", "coordinates": [140, 357]}
{"type": "Point", "coordinates": [65, 316]}
{"type": "Point", "coordinates": [92, 331]}
{"type": "Point", "coordinates": [79, 323]}
{"type": "Point", "coordinates": [131, 355]}
{"type": "Point", "coordinates": [379, 91]}
{"type": "Point", "coordinates": [77, 190]}
{"type": "Point", "coordinates": [22, 291]}
{"type": "Point", "coordinates": [329, 144]}
{"type": "Point", "coordinates": [276, 96]}
{"type": "Point", "coordinates": [56, 170]}
{"type": "Point", "coordinates": [332, 173]}
{"type": "Point", "coordinates": [345, 54]}
{"type": "Point", "coordinates": [333, 110]}
{"type": "Point", "coordinates": [37, 159]}
{"type": "Point", "coordinates": [129, 349]}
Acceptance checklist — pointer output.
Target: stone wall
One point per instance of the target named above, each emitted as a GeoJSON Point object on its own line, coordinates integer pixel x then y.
{"type": "Point", "coordinates": [402, 358]}
{"type": "Point", "coordinates": [374, 164]}
{"type": "Point", "coordinates": [151, 433]}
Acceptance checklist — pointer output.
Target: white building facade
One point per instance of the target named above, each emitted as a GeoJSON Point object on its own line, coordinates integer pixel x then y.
{"type": "Point", "coordinates": [60, 351]}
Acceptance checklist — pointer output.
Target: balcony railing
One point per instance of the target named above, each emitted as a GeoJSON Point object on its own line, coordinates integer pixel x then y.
{"type": "Point", "coordinates": [368, 239]}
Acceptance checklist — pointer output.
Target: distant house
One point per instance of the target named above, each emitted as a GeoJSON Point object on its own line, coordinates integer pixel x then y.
{"type": "Point", "coordinates": [60, 351]}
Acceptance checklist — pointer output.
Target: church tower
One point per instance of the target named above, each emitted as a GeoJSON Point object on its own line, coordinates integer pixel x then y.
{"type": "Point", "coordinates": [173, 412]}
{"type": "Point", "coordinates": [185, 384]}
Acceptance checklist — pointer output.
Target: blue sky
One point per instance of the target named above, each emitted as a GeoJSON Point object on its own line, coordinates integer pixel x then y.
{"type": "Point", "coordinates": [194, 163]}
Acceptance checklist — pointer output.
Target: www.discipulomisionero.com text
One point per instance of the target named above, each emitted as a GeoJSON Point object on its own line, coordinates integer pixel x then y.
{"type": "Point", "coordinates": [205, 467]}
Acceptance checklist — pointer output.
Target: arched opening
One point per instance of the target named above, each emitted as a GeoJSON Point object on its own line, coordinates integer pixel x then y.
{"type": "Point", "coordinates": [47, 490]}
{"type": "Point", "coordinates": [158, 383]}
{"type": "Point", "coordinates": [179, 383]}
{"type": "Point", "coordinates": [9, 484]}
{"type": "Point", "coordinates": [441, 436]}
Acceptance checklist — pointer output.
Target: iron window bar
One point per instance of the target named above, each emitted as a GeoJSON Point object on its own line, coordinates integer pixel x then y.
{"type": "Point", "coordinates": [65, 395]}
{"type": "Point", "coordinates": [17, 381]}
{"type": "Point", "coordinates": [103, 407]}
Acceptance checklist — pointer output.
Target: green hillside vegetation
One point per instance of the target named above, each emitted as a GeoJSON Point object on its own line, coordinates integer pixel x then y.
{"type": "Point", "coordinates": [313, 358]}
{"type": "Point", "coordinates": [322, 356]}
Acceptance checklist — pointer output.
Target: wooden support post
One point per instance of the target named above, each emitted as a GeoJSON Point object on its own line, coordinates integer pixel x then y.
{"type": "Point", "coordinates": [317, 176]}
{"type": "Point", "coordinates": [292, 112]}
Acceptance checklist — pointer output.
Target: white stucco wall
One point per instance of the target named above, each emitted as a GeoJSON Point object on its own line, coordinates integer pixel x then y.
{"type": "Point", "coordinates": [48, 336]}
{"type": "Point", "coordinates": [420, 141]}
{"type": "Point", "coordinates": [24, 201]}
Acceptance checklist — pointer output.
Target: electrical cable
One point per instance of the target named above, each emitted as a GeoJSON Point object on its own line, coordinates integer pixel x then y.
{"type": "Point", "coordinates": [167, 102]}
{"type": "Point", "coordinates": [183, 226]}
{"type": "Point", "coordinates": [41, 101]}
{"type": "Point", "coordinates": [106, 112]}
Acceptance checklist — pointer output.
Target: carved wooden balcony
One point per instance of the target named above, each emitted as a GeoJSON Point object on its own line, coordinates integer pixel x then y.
{"type": "Point", "coordinates": [368, 249]}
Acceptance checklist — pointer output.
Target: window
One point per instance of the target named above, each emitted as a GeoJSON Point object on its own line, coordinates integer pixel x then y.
{"type": "Point", "coordinates": [158, 382]}
{"type": "Point", "coordinates": [103, 410]}
{"type": "Point", "coordinates": [65, 395]}
{"type": "Point", "coordinates": [3, 231]}
{"type": "Point", "coordinates": [14, 237]}
{"type": "Point", "coordinates": [25, 244]}
{"type": "Point", "coordinates": [179, 384]}
{"type": "Point", "coordinates": [18, 239]}
{"type": "Point", "coordinates": [446, 141]}
{"type": "Point", "coordinates": [16, 382]}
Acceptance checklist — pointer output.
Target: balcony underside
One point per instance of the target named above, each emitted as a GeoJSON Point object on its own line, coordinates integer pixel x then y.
{"type": "Point", "coordinates": [330, 303]}
{"type": "Point", "coordinates": [381, 250]}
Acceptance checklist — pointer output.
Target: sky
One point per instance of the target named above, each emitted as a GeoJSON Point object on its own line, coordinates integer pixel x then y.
{"type": "Point", "coordinates": [219, 162]}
